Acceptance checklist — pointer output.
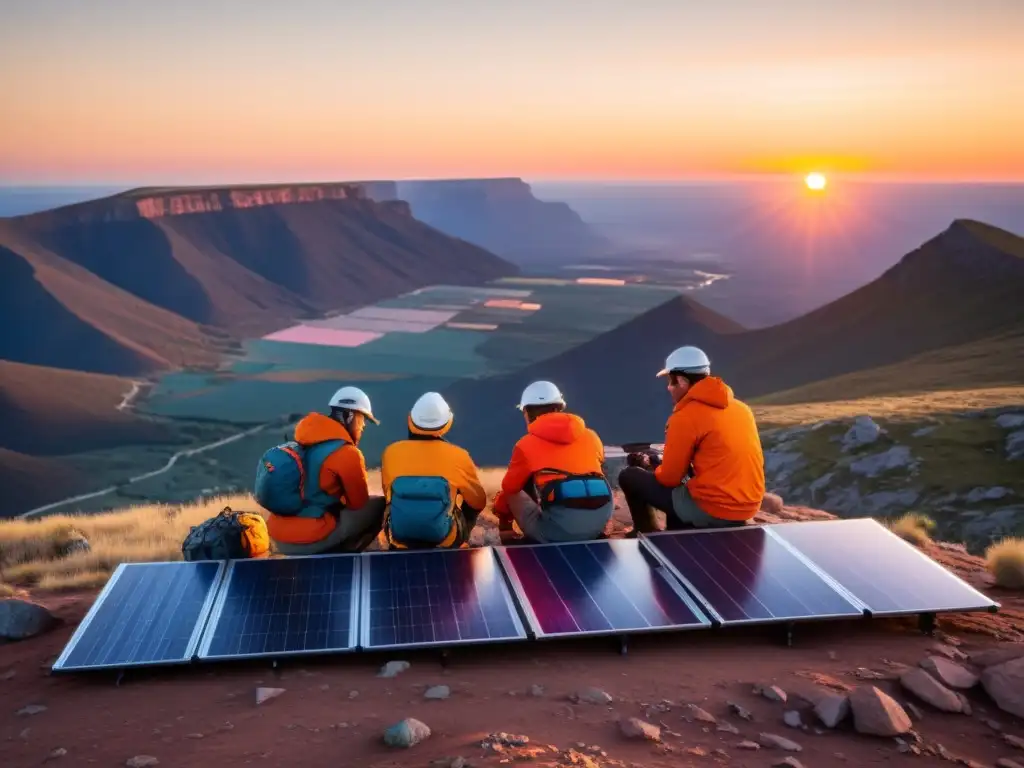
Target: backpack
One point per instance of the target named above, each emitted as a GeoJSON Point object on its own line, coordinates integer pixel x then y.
{"type": "Point", "coordinates": [228, 536]}
{"type": "Point", "coordinates": [574, 491]}
{"type": "Point", "coordinates": [288, 479]}
{"type": "Point", "coordinates": [420, 513]}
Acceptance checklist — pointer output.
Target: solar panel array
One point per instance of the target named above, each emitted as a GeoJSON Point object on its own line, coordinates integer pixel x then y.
{"type": "Point", "coordinates": [174, 613]}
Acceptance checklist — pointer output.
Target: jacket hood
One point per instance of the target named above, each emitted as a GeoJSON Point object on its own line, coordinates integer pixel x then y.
{"type": "Point", "coordinates": [562, 428]}
{"type": "Point", "coordinates": [317, 428]}
{"type": "Point", "coordinates": [710, 391]}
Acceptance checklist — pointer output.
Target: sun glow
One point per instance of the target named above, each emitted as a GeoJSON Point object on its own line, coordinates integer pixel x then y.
{"type": "Point", "coordinates": [815, 181]}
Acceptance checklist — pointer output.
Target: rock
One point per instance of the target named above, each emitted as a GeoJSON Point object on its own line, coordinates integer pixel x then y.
{"type": "Point", "coordinates": [914, 710]}
{"type": "Point", "coordinates": [727, 727]}
{"type": "Point", "coordinates": [21, 619]}
{"type": "Point", "coordinates": [1005, 762]}
{"type": "Point", "coordinates": [950, 652]}
{"type": "Point", "coordinates": [266, 694]}
{"type": "Point", "coordinates": [779, 742]}
{"type": "Point", "coordinates": [778, 462]}
{"type": "Point", "coordinates": [987, 494]}
{"type": "Point", "coordinates": [741, 711]}
{"type": "Point", "coordinates": [965, 705]}
{"type": "Point", "coordinates": [923, 432]}
{"type": "Point", "coordinates": [407, 733]}
{"type": "Point", "coordinates": [772, 693]}
{"type": "Point", "coordinates": [73, 543]}
{"type": "Point", "coordinates": [393, 668]}
{"type": "Point", "coordinates": [993, 656]}
{"type": "Point", "coordinates": [537, 690]}
{"type": "Point", "coordinates": [1015, 445]}
{"type": "Point", "coordinates": [57, 753]}
{"type": "Point", "coordinates": [751, 745]}
{"type": "Point", "coordinates": [693, 712]}
{"type": "Point", "coordinates": [141, 761]}
{"type": "Point", "coordinates": [875, 713]}
{"type": "Point", "coordinates": [820, 484]}
{"type": "Point", "coordinates": [792, 762]}
{"type": "Point", "coordinates": [831, 708]}
{"type": "Point", "coordinates": [1010, 420]}
{"type": "Point", "coordinates": [1005, 684]}
{"type": "Point", "coordinates": [1013, 741]}
{"type": "Point", "coordinates": [875, 464]}
{"type": "Point", "coordinates": [437, 692]}
{"type": "Point", "coordinates": [31, 709]}
{"type": "Point", "coordinates": [792, 719]}
{"type": "Point", "coordinates": [592, 696]}
{"type": "Point", "coordinates": [949, 673]}
{"type": "Point", "coordinates": [930, 690]}
{"type": "Point", "coordinates": [635, 728]}
{"type": "Point", "coordinates": [863, 432]}
{"type": "Point", "coordinates": [8, 675]}
{"type": "Point", "coordinates": [879, 502]}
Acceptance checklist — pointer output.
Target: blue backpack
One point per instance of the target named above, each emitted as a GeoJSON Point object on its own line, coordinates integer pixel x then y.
{"type": "Point", "coordinates": [288, 479]}
{"type": "Point", "coordinates": [421, 513]}
{"type": "Point", "coordinates": [574, 491]}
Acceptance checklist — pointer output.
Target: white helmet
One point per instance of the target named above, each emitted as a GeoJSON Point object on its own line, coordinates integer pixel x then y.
{"type": "Point", "coordinates": [686, 360]}
{"type": "Point", "coordinates": [431, 412]}
{"type": "Point", "coordinates": [540, 393]}
{"type": "Point", "coordinates": [353, 399]}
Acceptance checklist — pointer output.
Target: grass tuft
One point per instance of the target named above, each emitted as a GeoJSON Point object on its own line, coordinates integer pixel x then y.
{"type": "Point", "coordinates": [1005, 561]}
{"type": "Point", "coordinates": [914, 528]}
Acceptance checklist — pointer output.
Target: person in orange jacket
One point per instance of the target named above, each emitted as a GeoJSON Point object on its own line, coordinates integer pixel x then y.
{"type": "Point", "coordinates": [432, 486]}
{"type": "Point", "coordinates": [342, 515]}
{"type": "Point", "coordinates": [712, 472]}
{"type": "Point", "coordinates": [554, 487]}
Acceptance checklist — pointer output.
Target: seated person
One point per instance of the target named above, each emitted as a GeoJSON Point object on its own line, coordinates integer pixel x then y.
{"type": "Point", "coordinates": [315, 488]}
{"type": "Point", "coordinates": [712, 473]}
{"type": "Point", "coordinates": [554, 487]}
{"type": "Point", "coordinates": [432, 487]}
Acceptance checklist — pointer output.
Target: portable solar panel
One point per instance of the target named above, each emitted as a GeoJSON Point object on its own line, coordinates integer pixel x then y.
{"type": "Point", "coordinates": [888, 575]}
{"type": "Point", "coordinates": [285, 607]}
{"type": "Point", "coordinates": [436, 597]}
{"type": "Point", "coordinates": [744, 576]}
{"type": "Point", "coordinates": [147, 614]}
{"type": "Point", "coordinates": [608, 587]}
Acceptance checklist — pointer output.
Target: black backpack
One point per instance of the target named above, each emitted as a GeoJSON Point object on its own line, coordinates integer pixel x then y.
{"type": "Point", "coordinates": [228, 536]}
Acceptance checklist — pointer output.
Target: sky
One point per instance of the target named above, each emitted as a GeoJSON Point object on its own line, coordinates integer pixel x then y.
{"type": "Point", "coordinates": [225, 91]}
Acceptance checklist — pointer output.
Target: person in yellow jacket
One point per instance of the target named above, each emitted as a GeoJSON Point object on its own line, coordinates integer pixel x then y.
{"type": "Point", "coordinates": [712, 473]}
{"type": "Point", "coordinates": [432, 487]}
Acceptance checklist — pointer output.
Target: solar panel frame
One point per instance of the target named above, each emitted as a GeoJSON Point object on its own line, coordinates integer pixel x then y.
{"type": "Point", "coordinates": [649, 540]}
{"type": "Point", "coordinates": [203, 649]}
{"type": "Point", "coordinates": [365, 625]}
{"type": "Point", "coordinates": [189, 655]}
{"type": "Point", "coordinates": [989, 604]}
{"type": "Point", "coordinates": [533, 621]}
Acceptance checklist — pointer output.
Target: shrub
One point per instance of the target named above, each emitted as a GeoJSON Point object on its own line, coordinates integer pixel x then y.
{"type": "Point", "coordinates": [1005, 561]}
{"type": "Point", "coordinates": [913, 527]}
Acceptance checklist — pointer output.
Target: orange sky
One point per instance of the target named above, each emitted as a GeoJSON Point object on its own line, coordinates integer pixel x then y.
{"type": "Point", "coordinates": [220, 91]}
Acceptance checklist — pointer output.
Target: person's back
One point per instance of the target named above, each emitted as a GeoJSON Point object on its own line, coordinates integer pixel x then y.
{"type": "Point", "coordinates": [558, 446]}
{"type": "Point", "coordinates": [421, 514]}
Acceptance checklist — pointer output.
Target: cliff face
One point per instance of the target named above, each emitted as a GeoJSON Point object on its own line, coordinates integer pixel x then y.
{"type": "Point", "coordinates": [501, 215]}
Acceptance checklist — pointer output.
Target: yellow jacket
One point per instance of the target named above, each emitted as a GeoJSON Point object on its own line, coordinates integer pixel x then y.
{"type": "Point", "coordinates": [433, 457]}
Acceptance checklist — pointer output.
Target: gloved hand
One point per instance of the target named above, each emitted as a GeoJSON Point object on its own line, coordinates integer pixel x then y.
{"type": "Point", "coordinates": [654, 459]}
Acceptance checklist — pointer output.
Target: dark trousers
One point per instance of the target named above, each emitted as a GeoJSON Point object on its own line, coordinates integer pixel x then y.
{"type": "Point", "coordinates": [643, 492]}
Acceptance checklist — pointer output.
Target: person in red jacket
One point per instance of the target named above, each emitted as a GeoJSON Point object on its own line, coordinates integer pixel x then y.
{"type": "Point", "coordinates": [554, 487]}
{"type": "Point", "coordinates": [712, 473]}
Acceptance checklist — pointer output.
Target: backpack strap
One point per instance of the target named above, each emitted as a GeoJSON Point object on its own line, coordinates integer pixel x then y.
{"type": "Point", "coordinates": [553, 493]}
{"type": "Point", "coordinates": [315, 501]}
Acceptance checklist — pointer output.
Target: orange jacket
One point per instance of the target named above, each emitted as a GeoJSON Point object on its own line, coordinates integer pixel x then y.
{"type": "Point", "coordinates": [343, 475]}
{"type": "Point", "coordinates": [559, 441]}
{"type": "Point", "coordinates": [718, 434]}
{"type": "Point", "coordinates": [434, 458]}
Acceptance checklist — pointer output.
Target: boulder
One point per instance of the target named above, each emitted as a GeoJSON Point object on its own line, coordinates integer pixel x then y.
{"type": "Point", "coordinates": [1005, 684]}
{"type": "Point", "coordinates": [592, 696]}
{"type": "Point", "coordinates": [863, 432]}
{"type": "Point", "coordinates": [693, 712]}
{"type": "Point", "coordinates": [22, 619]}
{"type": "Point", "coordinates": [1010, 420]}
{"type": "Point", "coordinates": [266, 694]}
{"type": "Point", "coordinates": [635, 728]}
{"type": "Point", "coordinates": [949, 673]}
{"type": "Point", "coordinates": [990, 657]}
{"type": "Point", "coordinates": [407, 733]}
{"type": "Point", "coordinates": [437, 692]}
{"type": "Point", "coordinates": [393, 668]}
{"type": "Point", "coordinates": [831, 708]}
{"type": "Point", "coordinates": [779, 742]}
{"type": "Point", "coordinates": [875, 713]}
{"type": "Point", "coordinates": [1015, 445]}
{"type": "Point", "coordinates": [978, 495]}
{"type": "Point", "coordinates": [875, 464]}
{"type": "Point", "coordinates": [930, 690]}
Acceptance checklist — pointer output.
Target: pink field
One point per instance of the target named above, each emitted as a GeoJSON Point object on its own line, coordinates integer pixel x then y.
{"type": "Point", "coordinates": [328, 337]}
{"type": "Point", "coordinates": [371, 324]}
{"type": "Point", "coordinates": [404, 315]}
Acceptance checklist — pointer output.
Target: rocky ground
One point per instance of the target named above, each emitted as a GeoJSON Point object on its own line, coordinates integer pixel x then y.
{"type": "Point", "coordinates": [857, 694]}
{"type": "Point", "coordinates": [965, 470]}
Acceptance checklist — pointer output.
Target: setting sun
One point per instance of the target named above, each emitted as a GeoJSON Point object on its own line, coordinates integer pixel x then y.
{"type": "Point", "coordinates": [815, 181]}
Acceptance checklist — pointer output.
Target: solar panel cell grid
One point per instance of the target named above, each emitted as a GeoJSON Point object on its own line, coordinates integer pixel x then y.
{"type": "Point", "coordinates": [879, 569]}
{"type": "Point", "coordinates": [284, 607]}
{"type": "Point", "coordinates": [148, 613]}
{"type": "Point", "coordinates": [436, 597]}
{"type": "Point", "coordinates": [746, 576]}
{"type": "Point", "coordinates": [600, 587]}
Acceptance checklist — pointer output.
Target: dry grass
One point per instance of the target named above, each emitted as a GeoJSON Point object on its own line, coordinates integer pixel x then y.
{"type": "Point", "coordinates": [30, 550]}
{"type": "Point", "coordinates": [914, 528]}
{"type": "Point", "coordinates": [1005, 561]}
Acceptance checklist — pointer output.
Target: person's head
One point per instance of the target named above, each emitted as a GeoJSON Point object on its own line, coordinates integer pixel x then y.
{"type": "Point", "coordinates": [540, 398]}
{"type": "Point", "coordinates": [684, 368]}
{"type": "Point", "coordinates": [430, 416]}
{"type": "Point", "coordinates": [351, 408]}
